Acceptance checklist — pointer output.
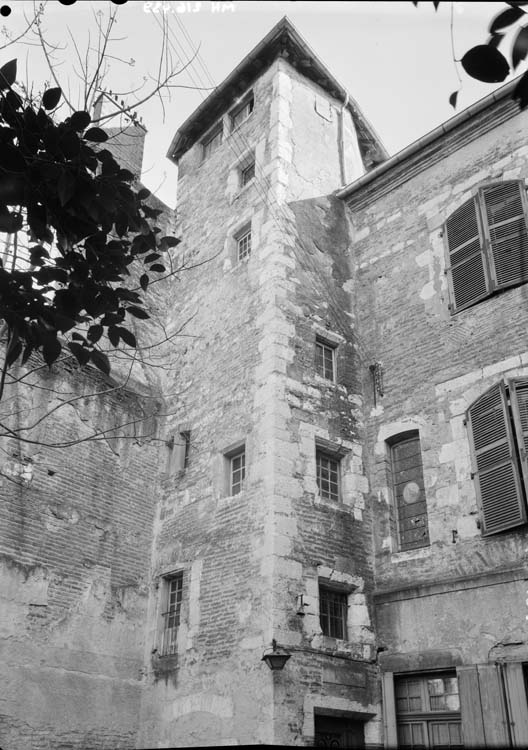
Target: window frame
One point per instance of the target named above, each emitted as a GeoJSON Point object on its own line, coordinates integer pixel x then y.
{"type": "Point", "coordinates": [243, 171]}
{"type": "Point", "coordinates": [323, 453]}
{"type": "Point", "coordinates": [485, 256]}
{"type": "Point", "coordinates": [247, 102]}
{"type": "Point", "coordinates": [240, 237]}
{"type": "Point", "coordinates": [331, 620]}
{"type": "Point", "coordinates": [393, 443]}
{"type": "Point", "coordinates": [210, 138]}
{"type": "Point", "coordinates": [426, 717]}
{"type": "Point", "coordinates": [325, 345]}
{"type": "Point", "coordinates": [235, 488]}
{"type": "Point", "coordinates": [169, 634]}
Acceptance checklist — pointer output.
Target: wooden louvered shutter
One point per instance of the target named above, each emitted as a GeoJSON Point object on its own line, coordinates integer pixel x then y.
{"type": "Point", "coordinates": [519, 404]}
{"type": "Point", "coordinates": [466, 266]}
{"type": "Point", "coordinates": [504, 208]}
{"type": "Point", "coordinates": [497, 477]}
{"type": "Point", "coordinates": [517, 701]}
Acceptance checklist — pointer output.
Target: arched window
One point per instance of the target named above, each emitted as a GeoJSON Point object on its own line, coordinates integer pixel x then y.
{"type": "Point", "coordinates": [486, 243]}
{"type": "Point", "coordinates": [498, 430]}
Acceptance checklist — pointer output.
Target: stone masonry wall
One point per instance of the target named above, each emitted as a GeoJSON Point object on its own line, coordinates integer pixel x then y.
{"type": "Point", "coordinates": [434, 366]}
{"type": "Point", "coordinates": [246, 375]}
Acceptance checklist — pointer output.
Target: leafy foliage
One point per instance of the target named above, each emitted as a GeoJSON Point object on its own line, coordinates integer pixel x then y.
{"type": "Point", "coordinates": [86, 227]}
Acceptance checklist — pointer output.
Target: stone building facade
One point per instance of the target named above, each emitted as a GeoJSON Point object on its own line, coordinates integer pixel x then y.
{"type": "Point", "coordinates": [339, 475]}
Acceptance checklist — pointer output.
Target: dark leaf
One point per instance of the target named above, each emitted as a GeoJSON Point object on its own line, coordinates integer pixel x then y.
{"type": "Point", "coordinates": [81, 354]}
{"type": "Point", "coordinates": [151, 257]}
{"type": "Point", "coordinates": [143, 193]}
{"type": "Point", "coordinates": [97, 135]}
{"type": "Point", "coordinates": [11, 188]}
{"type": "Point", "coordinates": [28, 351]}
{"type": "Point", "coordinates": [8, 74]}
{"type": "Point", "coordinates": [157, 268]}
{"type": "Point", "coordinates": [167, 242]}
{"type": "Point", "coordinates": [80, 120]}
{"type": "Point", "coordinates": [495, 40]}
{"type": "Point", "coordinates": [66, 187]}
{"type": "Point", "coordinates": [485, 63]}
{"type": "Point", "coordinates": [453, 99]}
{"type": "Point", "coordinates": [520, 92]}
{"type": "Point", "coordinates": [138, 312]}
{"type": "Point", "coordinates": [11, 159]}
{"type": "Point", "coordinates": [101, 361]}
{"type": "Point", "coordinates": [128, 337]}
{"type": "Point", "coordinates": [51, 98]}
{"type": "Point", "coordinates": [113, 335]}
{"type": "Point", "coordinates": [505, 18]}
{"type": "Point", "coordinates": [144, 282]}
{"type": "Point", "coordinates": [78, 337]}
{"type": "Point", "coordinates": [520, 46]}
{"type": "Point", "coordinates": [126, 175]}
{"type": "Point", "coordinates": [51, 350]}
{"type": "Point", "coordinates": [70, 144]}
{"type": "Point", "coordinates": [14, 353]}
{"type": "Point", "coordinates": [10, 222]}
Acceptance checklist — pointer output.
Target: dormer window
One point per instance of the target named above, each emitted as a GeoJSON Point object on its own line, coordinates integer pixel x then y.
{"type": "Point", "coordinates": [242, 111]}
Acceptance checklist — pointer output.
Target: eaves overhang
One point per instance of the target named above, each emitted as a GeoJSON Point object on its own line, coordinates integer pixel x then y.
{"type": "Point", "coordinates": [451, 135]}
{"type": "Point", "coordinates": [282, 41]}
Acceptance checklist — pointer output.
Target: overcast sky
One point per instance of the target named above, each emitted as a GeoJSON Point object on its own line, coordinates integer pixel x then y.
{"type": "Point", "coordinates": [394, 59]}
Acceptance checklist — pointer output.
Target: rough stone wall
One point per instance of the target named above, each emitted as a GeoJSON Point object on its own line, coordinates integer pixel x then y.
{"type": "Point", "coordinates": [75, 534]}
{"type": "Point", "coordinates": [434, 366]}
{"type": "Point", "coordinates": [247, 375]}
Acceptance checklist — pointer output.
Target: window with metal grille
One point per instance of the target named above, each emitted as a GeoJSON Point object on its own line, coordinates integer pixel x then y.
{"type": "Point", "coordinates": [428, 711]}
{"type": "Point", "coordinates": [247, 174]}
{"type": "Point", "coordinates": [243, 241]}
{"type": "Point", "coordinates": [327, 469]}
{"type": "Point", "coordinates": [333, 608]}
{"type": "Point", "coordinates": [237, 472]}
{"type": "Point", "coordinates": [325, 359]}
{"type": "Point", "coordinates": [172, 614]}
{"type": "Point", "coordinates": [409, 490]}
{"type": "Point", "coordinates": [212, 141]}
{"type": "Point", "coordinates": [242, 111]}
{"type": "Point", "coordinates": [486, 241]}
{"type": "Point", "coordinates": [498, 432]}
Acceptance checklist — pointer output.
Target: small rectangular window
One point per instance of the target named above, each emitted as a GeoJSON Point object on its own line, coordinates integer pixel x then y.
{"type": "Point", "coordinates": [212, 141]}
{"type": "Point", "coordinates": [325, 359]}
{"type": "Point", "coordinates": [241, 112]}
{"type": "Point", "coordinates": [327, 467]}
{"type": "Point", "coordinates": [172, 614]}
{"type": "Point", "coordinates": [237, 472]}
{"type": "Point", "coordinates": [247, 174]}
{"type": "Point", "coordinates": [333, 607]}
{"type": "Point", "coordinates": [244, 244]}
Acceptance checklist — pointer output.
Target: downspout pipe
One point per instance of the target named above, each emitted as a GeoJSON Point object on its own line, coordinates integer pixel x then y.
{"type": "Point", "coordinates": [341, 139]}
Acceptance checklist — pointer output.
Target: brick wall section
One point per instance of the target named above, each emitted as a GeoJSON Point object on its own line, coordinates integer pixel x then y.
{"type": "Point", "coordinates": [434, 366]}
{"type": "Point", "coordinates": [76, 529]}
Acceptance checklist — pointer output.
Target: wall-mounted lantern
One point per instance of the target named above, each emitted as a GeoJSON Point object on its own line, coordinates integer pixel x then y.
{"type": "Point", "coordinates": [275, 657]}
